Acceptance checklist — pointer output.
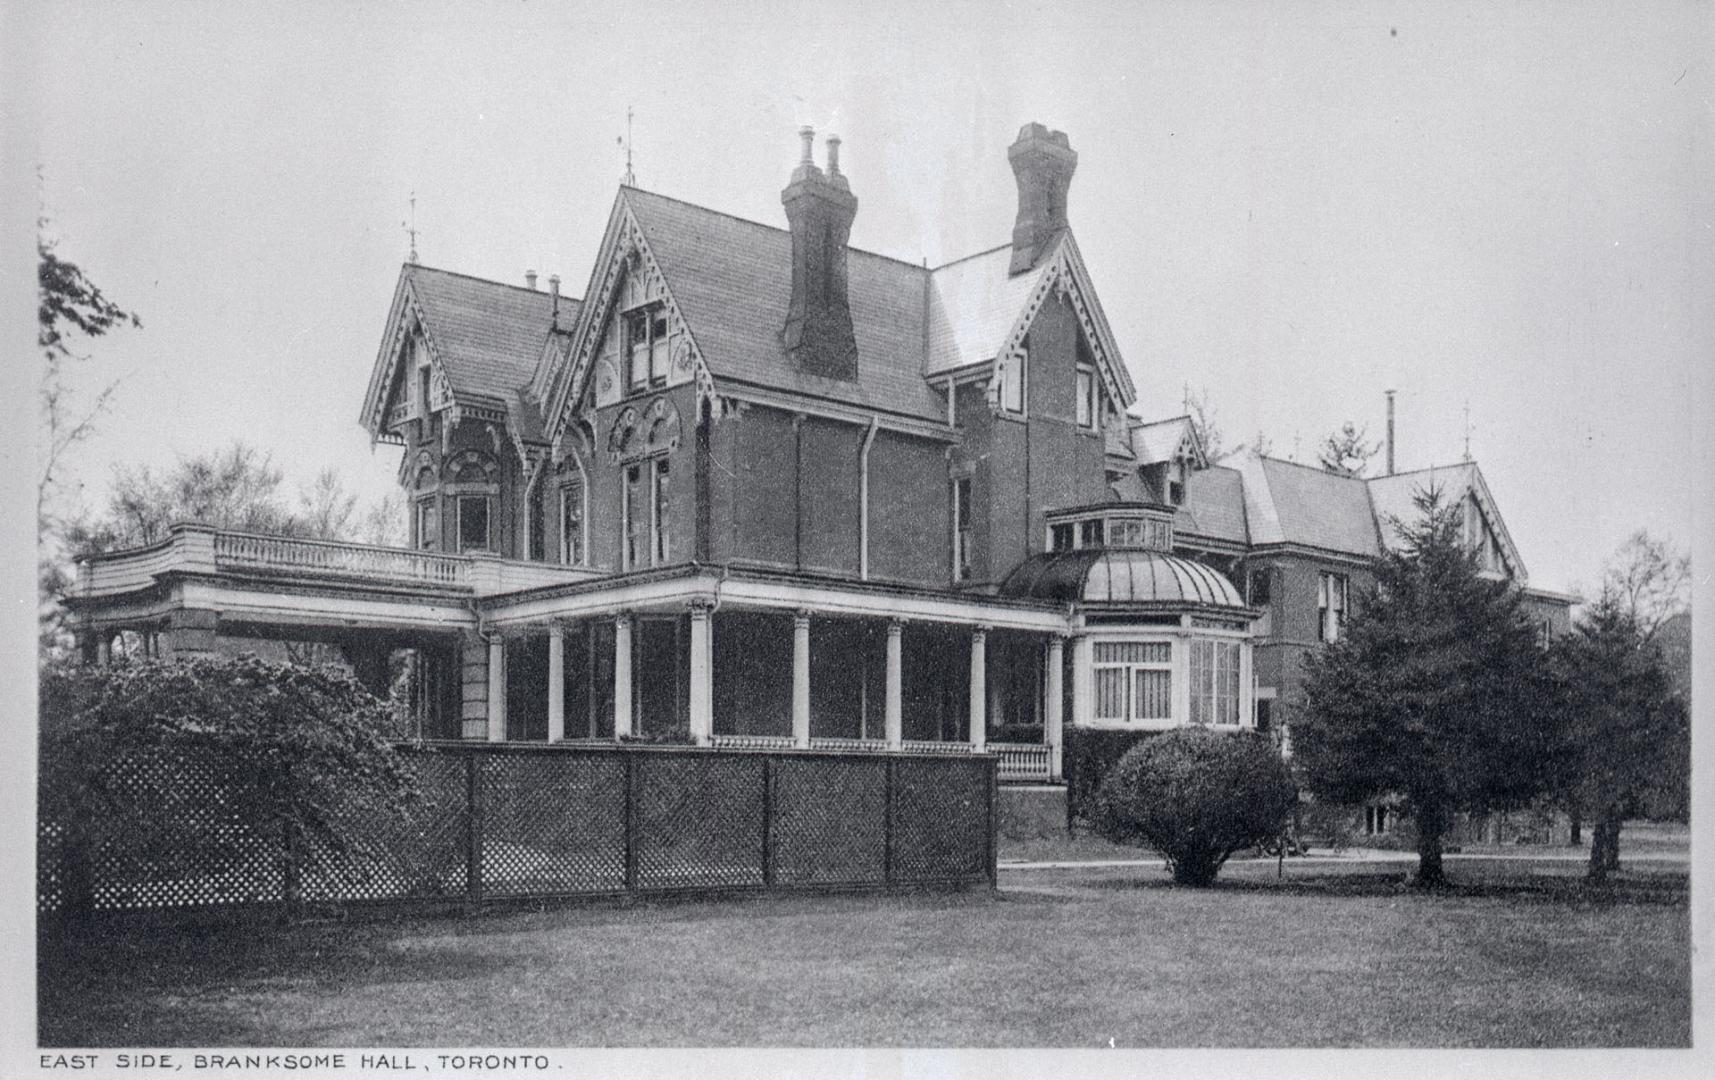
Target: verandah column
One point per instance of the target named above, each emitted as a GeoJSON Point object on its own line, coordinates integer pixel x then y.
{"type": "Point", "coordinates": [801, 679]}
{"type": "Point", "coordinates": [979, 689]}
{"type": "Point", "coordinates": [496, 688]}
{"type": "Point", "coordinates": [622, 675]}
{"type": "Point", "coordinates": [894, 724]}
{"type": "Point", "coordinates": [1083, 672]}
{"type": "Point", "coordinates": [1054, 708]}
{"type": "Point", "coordinates": [702, 685]}
{"type": "Point", "coordinates": [556, 683]}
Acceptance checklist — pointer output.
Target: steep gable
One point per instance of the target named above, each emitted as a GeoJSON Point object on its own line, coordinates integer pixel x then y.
{"type": "Point", "coordinates": [484, 341]}
{"type": "Point", "coordinates": [1462, 484]}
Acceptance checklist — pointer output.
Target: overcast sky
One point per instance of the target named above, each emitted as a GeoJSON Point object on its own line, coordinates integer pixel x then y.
{"type": "Point", "coordinates": [1294, 207]}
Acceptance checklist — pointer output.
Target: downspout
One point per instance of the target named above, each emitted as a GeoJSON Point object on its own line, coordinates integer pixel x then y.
{"type": "Point", "coordinates": [863, 497]}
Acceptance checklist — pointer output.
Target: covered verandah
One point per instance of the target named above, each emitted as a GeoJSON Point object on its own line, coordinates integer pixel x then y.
{"type": "Point", "coordinates": [764, 660]}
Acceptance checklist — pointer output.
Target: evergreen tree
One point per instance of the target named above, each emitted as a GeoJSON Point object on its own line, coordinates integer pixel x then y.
{"type": "Point", "coordinates": [1622, 727]}
{"type": "Point", "coordinates": [1435, 691]}
{"type": "Point", "coordinates": [1346, 451]}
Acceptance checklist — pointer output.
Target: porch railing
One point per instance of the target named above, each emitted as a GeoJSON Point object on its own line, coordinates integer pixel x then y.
{"type": "Point", "coordinates": [751, 742]}
{"type": "Point", "coordinates": [1021, 761]}
{"type": "Point", "coordinates": [255, 552]}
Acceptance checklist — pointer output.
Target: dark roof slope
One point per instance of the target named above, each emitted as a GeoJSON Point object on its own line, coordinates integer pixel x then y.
{"type": "Point", "coordinates": [1120, 576]}
{"type": "Point", "coordinates": [487, 335]}
{"type": "Point", "coordinates": [732, 281]}
{"type": "Point", "coordinates": [1214, 505]}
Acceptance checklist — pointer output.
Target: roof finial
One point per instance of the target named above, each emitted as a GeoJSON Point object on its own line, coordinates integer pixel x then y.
{"type": "Point", "coordinates": [630, 178]}
{"type": "Point", "coordinates": [411, 228]}
{"type": "Point", "coordinates": [1467, 429]}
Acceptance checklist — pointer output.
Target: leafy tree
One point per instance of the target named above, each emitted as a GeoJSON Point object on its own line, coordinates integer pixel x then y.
{"type": "Point", "coordinates": [1196, 796]}
{"type": "Point", "coordinates": [239, 488]}
{"type": "Point", "coordinates": [1623, 729]}
{"type": "Point", "coordinates": [185, 768]}
{"type": "Point", "coordinates": [1205, 422]}
{"type": "Point", "coordinates": [1436, 690]}
{"type": "Point", "coordinates": [1346, 451]}
{"type": "Point", "coordinates": [69, 308]}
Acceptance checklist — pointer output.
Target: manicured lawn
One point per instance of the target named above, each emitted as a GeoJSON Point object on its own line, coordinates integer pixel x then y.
{"type": "Point", "coordinates": [1519, 954]}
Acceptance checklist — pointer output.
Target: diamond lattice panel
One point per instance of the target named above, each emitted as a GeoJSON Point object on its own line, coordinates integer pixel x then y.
{"type": "Point", "coordinates": [829, 820]}
{"type": "Point", "coordinates": [940, 823]}
{"type": "Point", "coordinates": [553, 823]}
{"type": "Point", "coordinates": [419, 853]}
{"type": "Point", "coordinates": [698, 820]}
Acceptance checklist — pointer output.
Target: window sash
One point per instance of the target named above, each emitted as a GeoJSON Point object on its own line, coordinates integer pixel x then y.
{"type": "Point", "coordinates": [659, 516]}
{"type": "Point", "coordinates": [631, 528]}
{"type": "Point", "coordinates": [1086, 397]}
{"type": "Point", "coordinates": [474, 510]}
{"type": "Point", "coordinates": [1012, 382]}
{"type": "Point", "coordinates": [572, 523]}
{"type": "Point", "coordinates": [428, 529]}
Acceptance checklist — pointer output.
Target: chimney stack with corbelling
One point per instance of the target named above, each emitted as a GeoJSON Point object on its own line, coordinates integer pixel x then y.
{"type": "Point", "coordinates": [1042, 162]}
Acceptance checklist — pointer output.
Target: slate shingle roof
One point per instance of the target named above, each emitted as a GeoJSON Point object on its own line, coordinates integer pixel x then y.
{"type": "Point", "coordinates": [1395, 495]}
{"type": "Point", "coordinates": [732, 281]}
{"type": "Point", "coordinates": [973, 304]}
{"type": "Point", "coordinates": [1214, 506]}
{"type": "Point", "coordinates": [488, 336]}
{"type": "Point", "coordinates": [1159, 440]}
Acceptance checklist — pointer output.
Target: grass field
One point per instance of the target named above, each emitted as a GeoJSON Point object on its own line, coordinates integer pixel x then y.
{"type": "Point", "coordinates": [1518, 953]}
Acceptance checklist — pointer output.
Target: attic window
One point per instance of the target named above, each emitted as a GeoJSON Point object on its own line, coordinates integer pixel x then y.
{"type": "Point", "coordinates": [646, 347]}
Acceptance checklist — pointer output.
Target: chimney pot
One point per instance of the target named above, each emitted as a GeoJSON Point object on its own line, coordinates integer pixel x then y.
{"type": "Point", "coordinates": [808, 134]}
{"type": "Point", "coordinates": [529, 279]}
{"type": "Point", "coordinates": [553, 283]}
{"type": "Point", "coordinates": [820, 207]}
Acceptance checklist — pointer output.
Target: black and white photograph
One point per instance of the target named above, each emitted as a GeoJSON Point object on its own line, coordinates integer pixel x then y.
{"type": "Point", "coordinates": [965, 539]}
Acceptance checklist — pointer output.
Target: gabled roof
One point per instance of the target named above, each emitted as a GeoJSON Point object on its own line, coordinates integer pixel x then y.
{"type": "Point", "coordinates": [488, 336]}
{"type": "Point", "coordinates": [1395, 497]}
{"type": "Point", "coordinates": [1164, 440]}
{"type": "Point", "coordinates": [732, 280]}
{"type": "Point", "coordinates": [973, 304]}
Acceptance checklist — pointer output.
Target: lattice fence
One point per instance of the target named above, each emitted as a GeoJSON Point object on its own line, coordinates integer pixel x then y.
{"type": "Point", "coordinates": [523, 821]}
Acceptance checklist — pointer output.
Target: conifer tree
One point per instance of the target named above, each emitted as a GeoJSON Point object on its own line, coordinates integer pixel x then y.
{"type": "Point", "coordinates": [1622, 728]}
{"type": "Point", "coordinates": [1435, 692]}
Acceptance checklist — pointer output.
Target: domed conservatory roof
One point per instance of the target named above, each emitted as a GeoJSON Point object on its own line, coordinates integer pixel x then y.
{"type": "Point", "coordinates": [1121, 576]}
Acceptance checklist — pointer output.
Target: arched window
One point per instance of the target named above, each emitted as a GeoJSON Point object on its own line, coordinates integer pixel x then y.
{"type": "Point", "coordinates": [574, 513]}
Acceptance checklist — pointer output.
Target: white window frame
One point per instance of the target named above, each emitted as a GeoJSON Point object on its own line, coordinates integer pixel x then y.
{"type": "Point", "coordinates": [1087, 416]}
{"type": "Point", "coordinates": [660, 536]}
{"type": "Point", "coordinates": [647, 360]}
{"type": "Point", "coordinates": [1014, 381]}
{"type": "Point", "coordinates": [1333, 605]}
{"type": "Point", "coordinates": [655, 543]}
{"type": "Point", "coordinates": [1129, 670]}
{"type": "Point", "coordinates": [1204, 683]}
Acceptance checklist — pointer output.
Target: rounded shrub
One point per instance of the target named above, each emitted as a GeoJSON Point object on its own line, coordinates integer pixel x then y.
{"type": "Point", "coordinates": [1195, 796]}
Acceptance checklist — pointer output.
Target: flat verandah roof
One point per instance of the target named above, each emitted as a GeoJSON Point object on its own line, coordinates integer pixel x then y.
{"type": "Point", "coordinates": [755, 588]}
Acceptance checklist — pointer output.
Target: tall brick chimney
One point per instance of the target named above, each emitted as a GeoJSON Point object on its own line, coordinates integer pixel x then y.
{"type": "Point", "coordinates": [1042, 162]}
{"type": "Point", "coordinates": [820, 208]}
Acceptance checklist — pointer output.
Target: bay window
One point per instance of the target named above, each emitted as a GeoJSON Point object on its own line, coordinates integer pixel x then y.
{"type": "Point", "coordinates": [1133, 680]}
{"type": "Point", "coordinates": [1214, 676]}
